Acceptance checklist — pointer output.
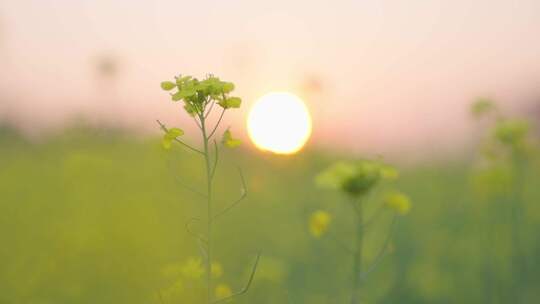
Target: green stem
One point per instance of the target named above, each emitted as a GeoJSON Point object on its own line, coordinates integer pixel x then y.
{"type": "Point", "coordinates": [358, 248]}
{"type": "Point", "coordinates": [519, 264]}
{"type": "Point", "coordinates": [209, 210]}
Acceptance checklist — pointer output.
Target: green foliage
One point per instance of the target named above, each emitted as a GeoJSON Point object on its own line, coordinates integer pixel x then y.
{"type": "Point", "coordinates": [482, 107]}
{"type": "Point", "coordinates": [499, 180]}
{"type": "Point", "coordinates": [502, 155]}
{"type": "Point", "coordinates": [167, 85]}
{"type": "Point", "coordinates": [229, 141]}
{"type": "Point", "coordinates": [356, 178]}
{"type": "Point", "coordinates": [197, 95]}
{"type": "Point", "coordinates": [494, 180]}
{"type": "Point", "coordinates": [171, 135]}
{"type": "Point", "coordinates": [318, 223]}
{"type": "Point", "coordinates": [199, 98]}
{"type": "Point", "coordinates": [398, 202]}
{"type": "Point", "coordinates": [78, 226]}
{"type": "Point", "coordinates": [512, 132]}
{"type": "Point", "coordinates": [230, 102]}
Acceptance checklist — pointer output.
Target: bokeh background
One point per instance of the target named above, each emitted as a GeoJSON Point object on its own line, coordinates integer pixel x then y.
{"type": "Point", "coordinates": [91, 210]}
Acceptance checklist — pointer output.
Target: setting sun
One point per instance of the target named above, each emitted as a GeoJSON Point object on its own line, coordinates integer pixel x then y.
{"type": "Point", "coordinates": [280, 123]}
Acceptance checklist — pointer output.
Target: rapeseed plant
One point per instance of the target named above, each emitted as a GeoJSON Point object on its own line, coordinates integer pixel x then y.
{"type": "Point", "coordinates": [356, 180]}
{"type": "Point", "coordinates": [498, 180]}
{"type": "Point", "coordinates": [200, 98]}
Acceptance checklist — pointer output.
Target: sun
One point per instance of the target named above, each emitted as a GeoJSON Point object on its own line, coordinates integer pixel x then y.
{"type": "Point", "coordinates": [279, 122]}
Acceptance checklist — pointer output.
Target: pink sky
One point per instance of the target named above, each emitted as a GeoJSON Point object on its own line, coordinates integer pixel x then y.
{"type": "Point", "coordinates": [394, 75]}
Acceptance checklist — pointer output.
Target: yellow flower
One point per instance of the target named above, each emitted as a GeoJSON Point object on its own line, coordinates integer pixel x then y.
{"type": "Point", "coordinates": [193, 268]}
{"type": "Point", "coordinates": [217, 270]}
{"type": "Point", "coordinates": [172, 270]}
{"type": "Point", "coordinates": [174, 290]}
{"type": "Point", "coordinates": [389, 172]}
{"type": "Point", "coordinates": [223, 291]}
{"type": "Point", "coordinates": [398, 202]}
{"type": "Point", "coordinates": [318, 223]}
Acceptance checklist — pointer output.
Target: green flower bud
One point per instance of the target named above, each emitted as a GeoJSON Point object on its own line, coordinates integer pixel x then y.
{"type": "Point", "coordinates": [167, 85]}
{"type": "Point", "coordinates": [229, 141]}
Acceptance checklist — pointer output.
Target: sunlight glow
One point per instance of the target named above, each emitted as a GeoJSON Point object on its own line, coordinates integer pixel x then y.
{"type": "Point", "coordinates": [280, 123]}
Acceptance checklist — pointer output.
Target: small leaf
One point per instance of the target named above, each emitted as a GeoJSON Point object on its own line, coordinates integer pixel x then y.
{"type": "Point", "coordinates": [190, 109]}
{"type": "Point", "coordinates": [228, 87]}
{"type": "Point", "coordinates": [187, 92]}
{"type": "Point", "coordinates": [482, 106]}
{"type": "Point", "coordinates": [182, 80]}
{"type": "Point", "coordinates": [171, 135]}
{"type": "Point", "coordinates": [177, 96]}
{"type": "Point", "coordinates": [229, 141]}
{"type": "Point", "coordinates": [166, 143]}
{"type": "Point", "coordinates": [233, 143]}
{"type": "Point", "coordinates": [167, 85]}
{"type": "Point", "coordinates": [174, 133]}
{"type": "Point", "coordinates": [231, 102]}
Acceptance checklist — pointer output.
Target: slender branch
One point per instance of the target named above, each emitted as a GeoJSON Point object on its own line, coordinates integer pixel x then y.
{"type": "Point", "coordinates": [164, 128]}
{"type": "Point", "coordinates": [216, 153]}
{"type": "Point", "coordinates": [209, 210]}
{"type": "Point", "coordinates": [382, 251]}
{"type": "Point", "coordinates": [358, 248]}
{"type": "Point", "coordinates": [197, 123]}
{"type": "Point", "coordinates": [217, 123]}
{"type": "Point", "coordinates": [248, 284]}
{"type": "Point", "coordinates": [341, 244]}
{"type": "Point", "coordinates": [201, 242]}
{"type": "Point", "coordinates": [209, 109]}
{"type": "Point", "coordinates": [185, 186]}
{"type": "Point", "coordinates": [195, 235]}
{"type": "Point", "coordinates": [357, 209]}
{"type": "Point", "coordinates": [242, 197]}
{"type": "Point", "coordinates": [375, 215]}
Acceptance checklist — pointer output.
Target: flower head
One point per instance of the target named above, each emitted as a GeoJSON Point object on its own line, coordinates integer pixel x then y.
{"type": "Point", "coordinates": [512, 132]}
{"type": "Point", "coordinates": [318, 223]}
{"type": "Point", "coordinates": [196, 93]}
{"type": "Point", "coordinates": [217, 270]}
{"type": "Point", "coordinates": [398, 202]}
{"type": "Point", "coordinates": [355, 178]}
{"type": "Point", "coordinates": [193, 268]}
{"type": "Point", "coordinates": [223, 291]}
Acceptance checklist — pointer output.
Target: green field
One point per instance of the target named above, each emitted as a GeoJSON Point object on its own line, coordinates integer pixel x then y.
{"type": "Point", "coordinates": [97, 216]}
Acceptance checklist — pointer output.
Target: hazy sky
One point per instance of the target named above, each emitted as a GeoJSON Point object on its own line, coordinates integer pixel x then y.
{"type": "Point", "coordinates": [383, 74]}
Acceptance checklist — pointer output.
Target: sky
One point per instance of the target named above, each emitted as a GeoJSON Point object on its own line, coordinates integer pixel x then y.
{"type": "Point", "coordinates": [385, 75]}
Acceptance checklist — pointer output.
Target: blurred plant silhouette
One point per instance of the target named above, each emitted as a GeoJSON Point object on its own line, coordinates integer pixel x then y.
{"type": "Point", "coordinates": [357, 180]}
{"type": "Point", "coordinates": [505, 156]}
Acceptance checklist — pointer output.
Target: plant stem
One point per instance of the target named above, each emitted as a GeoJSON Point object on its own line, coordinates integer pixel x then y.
{"type": "Point", "coordinates": [357, 259]}
{"type": "Point", "coordinates": [519, 264]}
{"type": "Point", "coordinates": [209, 210]}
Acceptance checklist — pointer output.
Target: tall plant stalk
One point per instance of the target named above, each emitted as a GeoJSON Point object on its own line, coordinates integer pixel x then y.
{"type": "Point", "coordinates": [199, 99]}
{"type": "Point", "coordinates": [357, 254]}
{"type": "Point", "coordinates": [357, 180]}
{"type": "Point", "coordinates": [501, 178]}
{"type": "Point", "coordinates": [209, 210]}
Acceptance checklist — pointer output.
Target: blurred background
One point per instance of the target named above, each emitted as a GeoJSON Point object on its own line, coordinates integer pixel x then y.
{"type": "Point", "coordinates": [91, 210]}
